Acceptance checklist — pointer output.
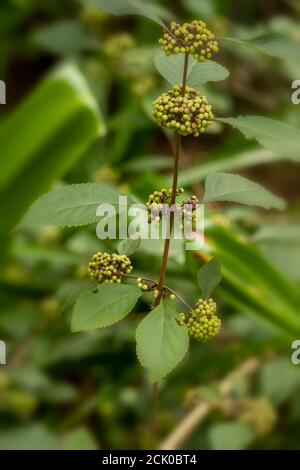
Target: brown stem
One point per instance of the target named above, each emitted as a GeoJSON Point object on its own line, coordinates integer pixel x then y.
{"type": "Point", "coordinates": [170, 223]}
{"type": "Point", "coordinates": [173, 195]}
{"type": "Point", "coordinates": [185, 72]}
{"type": "Point", "coordinates": [168, 239]}
{"type": "Point", "coordinates": [155, 284]}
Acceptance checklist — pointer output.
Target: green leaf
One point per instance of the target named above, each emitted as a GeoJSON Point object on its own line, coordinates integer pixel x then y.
{"type": "Point", "coordinates": [230, 436]}
{"type": "Point", "coordinates": [209, 277]}
{"type": "Point", "coordinates": [275, 136]}
{"type": "Point", "coordinates": [43, 138]}
{"type": "Point", "coordinates": [78, 439]}
{"type": "Point", "coordinates": [251, 283]}
{"type": "Point", "coordinates": [32, 437]}
{"type": "Point", "coordinates": [161, 342]}
{"type": "Point", "coordinates": [152, 11]}
{"type": "Point", "coordinates": [148, 163]}
{"type": "Point", "coordinates": [71, 206]}
{"type": "Point", "coordinates": [109, 305]}
{"type": "Point", "coordinates": [64, 38]}
{"type": "Point", "coordinates": [227, 162]}
{"type": "Point", "coordinates": [272, 44]}
{"type": "Point", "coordinates": [128, 247]}
{"type": "Point", "coordinates": [287, 232]}
{"type": "Point", "coordinates": [205, 9]}
{"type": "Point", "coordinates": [171, 68]}
{"type": "Point", "coordinates": [235, 188]}
{"type": "Point", "coordinates": [279, 379]}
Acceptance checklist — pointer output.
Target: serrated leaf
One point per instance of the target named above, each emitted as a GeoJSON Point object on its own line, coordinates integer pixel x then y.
{"type": "Point", "coordinates": [235, 188]}
{"type": "Point", "coordinates": [272, 44]}
{"type": "Point", "coordinates": [171, 68]}
{"type": "Point", "coordinates": [273, 135]}
{"type": "Point", "coordinates": [209, 277]}
{"type": "Point", "coordinates": [161, 342]}
{"type": "Point", "coordinates": [71, 206]}
{"type": "Point", "coordinates": [129, 246]}
{"type": "Point", "coordinates": [152, 11]}
{"type": "Point", "coordinates": [109, 305]}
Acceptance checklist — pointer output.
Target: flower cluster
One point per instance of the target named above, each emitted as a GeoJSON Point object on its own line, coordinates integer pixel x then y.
{"type": "Point", "coordinates": [158, 202]}
{"type": "Point", "coordinates": [109, 268]}
{"type": "Point", "coordinates": [189, 211]}
{"type": "Point", "coordinates": [115, 46]}
{"type": "Point", "coordinates": [203, 323]}
{"type": "Point", "coordinates": [193, 38]}
{"type": "Point", "coordinates": [187, 113]}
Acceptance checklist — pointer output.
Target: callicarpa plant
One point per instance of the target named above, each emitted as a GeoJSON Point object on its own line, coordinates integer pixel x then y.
{"type": "Point", "coordinates": [163, 334]}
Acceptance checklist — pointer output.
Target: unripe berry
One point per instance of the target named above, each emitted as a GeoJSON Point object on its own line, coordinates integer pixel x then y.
{"type": "Point", "coordinates": [115, 46]}
{"type": "Point", "coordinates": [204, 324]}
{"type": "Point", "coordinates": [109, 268]}
{"type": "Point", "coordinates": [158, 204]}
{"type": "Point", "coordinates": [187, 114]}
{"type": "Point", "coordinates": [193, 38]}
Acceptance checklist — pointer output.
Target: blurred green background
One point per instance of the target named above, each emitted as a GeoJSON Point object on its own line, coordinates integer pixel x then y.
{"type": "Point", "coordinates": [79, 85]}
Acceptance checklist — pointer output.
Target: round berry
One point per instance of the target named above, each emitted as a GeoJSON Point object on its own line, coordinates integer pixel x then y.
{"type": "Point", "coordinates": [191, 38]}
{"type": "Point", "coordinates": [188, 113]}
{"type": "Point", "coordinates": [109, 268]}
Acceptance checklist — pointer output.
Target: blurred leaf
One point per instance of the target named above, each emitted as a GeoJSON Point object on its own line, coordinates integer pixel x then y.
{"type": "Point", "coordinates": [278, 232]}
{"type": "Point", "coordinates": [275, 136]}
{"type": "Point", "coordinates": [148, 163]}
{"type": "Point", "coordinates": [108, 306]}
{"type": "Point", "coordinates": [230, 436]}
{"type": "Point", "coordinates": [128, 247]}
{"type": "Point", "coordinates": [279, 379]}
{"type": "Point", "coordinates": [235, 188]}
{"type": "Point", "coordinates": [60, 98]}
{"type": "Point", "coordinates": [205, 9]}
{"type": "Point", "coordinates": [272, 44]}
{"type": "Point", "coordinates": [78, 439]}
{"type": "Point", "coordinates": [210, 393]}
{"type": "Point", "coordinates": [209, 277]}
{"type": "Point", "coordinates": [227, 162]}
{"type": "Point", "coordinates": [280, 243]}
{"type": "Point", "coordinates": [33, 437]}
{"type": "Point", "coordinates": [72, 205]}
{"type": "Point", "coordinates": [285, 256]}
{"type": "Point", "coordinates": [252, 283]}
{"type": "Point", "coordinates": [152, 11]}
{"type": "Point", "coordinates": [64, 38]}
{"type": "Point", "coordinates": [161, 342]}
{"type": "Point", "coordinates": [65, 119]}
{"type": "Point", "coordinates": [171, 68]}
{"type": "Point", "coordinates": [155, 247]}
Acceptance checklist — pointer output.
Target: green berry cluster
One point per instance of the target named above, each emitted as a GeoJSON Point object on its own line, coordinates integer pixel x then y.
{"type": "Point", "coordinates": [116, 44]}
{"type": "Point", "coordinates": [187, 113]}
{"type": "Point", "coordinates": [189, 211]}
{"type": "Point", "coordinates": [109, 268]}
{"type": "Point", "coordinates": [193, 38]}
{"type": "Point", "coordinates": [158, 202]}
{"type": "Point", "coordinates": [203, 323]}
